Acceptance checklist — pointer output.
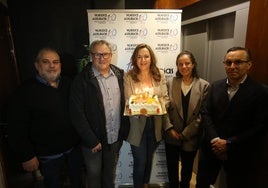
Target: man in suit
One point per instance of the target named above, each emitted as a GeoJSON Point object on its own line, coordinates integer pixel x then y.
{"type": "Point", "coordinates": [234, 118]}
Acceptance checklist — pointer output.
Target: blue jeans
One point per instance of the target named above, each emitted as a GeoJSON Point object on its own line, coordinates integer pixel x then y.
{"type": "Point", "coordinates": [143, 155]}
{"type": "Point", "coordinates": [101, 166]}
{"type": "Point", "coordinates": [52, 169]}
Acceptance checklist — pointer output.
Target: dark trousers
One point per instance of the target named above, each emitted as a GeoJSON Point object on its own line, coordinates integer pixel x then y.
{"type": "Point", "coordinates": [69, 164]}
{"type": "Point", "coordinates": [208, 170]}
{"type": "Point", "coordinates": [101, 166]}
{"type": "Point", "coordinates": [143, 155]}
{"type": "Point", "coordinates": [174, 154]}
{"type": "Point", "coordinates": [239, 170]}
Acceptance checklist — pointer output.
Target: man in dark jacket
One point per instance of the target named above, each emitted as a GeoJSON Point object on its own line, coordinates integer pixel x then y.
{"type": "Point", "coordinates": [40, 130]}
{"type": "Point", "coordinates": [235, 122]}
{"type": "Point", "coordinates": [97, 107]}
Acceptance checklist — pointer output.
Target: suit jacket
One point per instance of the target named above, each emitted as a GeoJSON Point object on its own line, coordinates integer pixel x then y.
{"type": "Point", "coordinates": [137, 123]}
{"type": "Point", "coordinates": [242, 120]}
{"type": "Point", "coordinates": [191, 132]}
{"type": "Point", "coordinates": [87, 109]}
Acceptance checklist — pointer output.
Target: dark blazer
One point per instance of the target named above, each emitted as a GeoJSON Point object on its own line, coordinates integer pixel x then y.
{"type": "Point", "coordinates": [243, 120]}
{"type": "Point", "coordinates": [87, 109]}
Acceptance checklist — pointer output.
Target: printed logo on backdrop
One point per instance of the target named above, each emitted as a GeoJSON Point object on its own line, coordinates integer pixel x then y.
{"type": "Point", "coordinates": [161, 150]}
{"type": "Point", "coordinates": [112, 33]}
{"type": "Point", "coordinates": [173, 47]}
{"type": "Point", "coordinates": [162, 48]}
{"type": "Point", "coordinates": [173, 32]}
{"type": "Point", "coordinates": [132, 33]}
{"type": "Point", "coordinates": [115, 53]}
{"type": "Point", "coordinates": [165, 18]}
{"type": "Point", "coordinates": [119, 176]}
{"type": "Point", "coordinates": [111, 18]}
{"type": "Point", "coordinates": [124, 166]}
{"type": "Point", "coordinates": [114, 47]}
{"type": "Point", "coordinates": [159, 174]}
{"type": "Point", "coordinates": [129, 48]}
{"type": "Point", "coordinates": [173, 17]}
{"type": "Point", "coordinates": [143, 32]}
{"type": "Point", "coordinates": [165, 47]}
{"type": "Point", "coordinates": [143, 17]}
{"type": "Point", "coordinates": [169, 71]}
{"type": "Point", "coordinates": [103, 18]}
{"type": "Point", "coordinates": [165, 32]}
{"type": "Point", "coordinates": [135, 17]}
{"type": "Point", "coordinates": [162, 33]}
{"type": "Point", "coordinates": [162, 18]}
{"type": "Point", "coordinates": [104, 33]}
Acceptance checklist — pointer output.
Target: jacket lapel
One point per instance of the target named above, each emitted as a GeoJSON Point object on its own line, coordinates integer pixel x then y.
{"type": "Point", "coordinates": [176, 94]}
{"type": "Point", "coordinates": [194, 97]}
{"type": "Point", "coordinates": [94, 82]}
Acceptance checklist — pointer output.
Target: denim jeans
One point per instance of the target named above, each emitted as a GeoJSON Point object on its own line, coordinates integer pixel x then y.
{"type": "Point", "coordinates": [53, 168]}
{"type": "Point", "coordinates": [143, 155]}
{"type": "Point", "coordinates": [101, 166]}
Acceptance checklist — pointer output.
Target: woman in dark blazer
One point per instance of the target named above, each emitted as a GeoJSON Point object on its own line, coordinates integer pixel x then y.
{"type": "Point", "coordinates": [186, 92]}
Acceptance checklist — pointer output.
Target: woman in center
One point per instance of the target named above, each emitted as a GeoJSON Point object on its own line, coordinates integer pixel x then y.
{"type": "Point", "coordinates": [145, 130]}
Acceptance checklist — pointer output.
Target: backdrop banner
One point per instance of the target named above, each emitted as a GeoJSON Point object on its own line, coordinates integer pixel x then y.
{"type": "Point", "coordinates": [125, 29]}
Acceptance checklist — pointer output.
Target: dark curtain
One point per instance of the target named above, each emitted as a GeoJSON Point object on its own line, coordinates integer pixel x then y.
{"type": "Point", "coordinates": [60, 24]}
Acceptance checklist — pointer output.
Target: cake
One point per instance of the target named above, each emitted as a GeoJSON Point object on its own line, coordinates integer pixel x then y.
{"type": "Point", "coordinates": [143, 104]}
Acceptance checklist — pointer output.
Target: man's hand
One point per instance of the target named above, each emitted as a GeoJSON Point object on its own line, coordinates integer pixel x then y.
{"type": "Point", "coordinates": [219, 147]}
{"type": "Point", "coordinates": [97, 148]}
{"type": "Point", "coordinates": [31, 165]}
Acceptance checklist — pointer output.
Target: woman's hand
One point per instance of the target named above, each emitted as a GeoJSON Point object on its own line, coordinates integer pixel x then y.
{"type": "Point", "coordinates": [174, 134]}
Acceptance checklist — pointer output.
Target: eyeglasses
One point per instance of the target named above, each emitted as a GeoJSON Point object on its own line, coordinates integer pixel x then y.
{"type": "Point", "coordinates": [235, 62]}
{"type": "Point", "coordinates": [99, 55]}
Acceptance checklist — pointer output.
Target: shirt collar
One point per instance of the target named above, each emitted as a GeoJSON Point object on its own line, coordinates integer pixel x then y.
{"type": "Point", "coordinates": [43, 81]}
{"type": "Point", "coordinates": [242, 81]}
{"type": "Point", "coordinates": [97, 73]}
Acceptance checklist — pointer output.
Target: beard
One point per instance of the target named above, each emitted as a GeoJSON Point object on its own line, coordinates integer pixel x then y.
{"type": "Point", "coordinates": [51, 77]}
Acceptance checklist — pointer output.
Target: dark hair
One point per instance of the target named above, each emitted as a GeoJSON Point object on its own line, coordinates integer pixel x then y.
{"type": "Point", "coordinates": [134, 71]}
{"type": "Point", "coordinates": [192, 58]}
{"type": "Point", "coordinates": [236, 48]}
{"type": "Point", "coordinates": [45, 49]}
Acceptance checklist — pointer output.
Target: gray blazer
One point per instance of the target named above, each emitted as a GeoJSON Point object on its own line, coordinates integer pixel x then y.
{"type": "Point", "coordinates": [191, 133]}
{"type": "Point", "coordinates": [137, 123]}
